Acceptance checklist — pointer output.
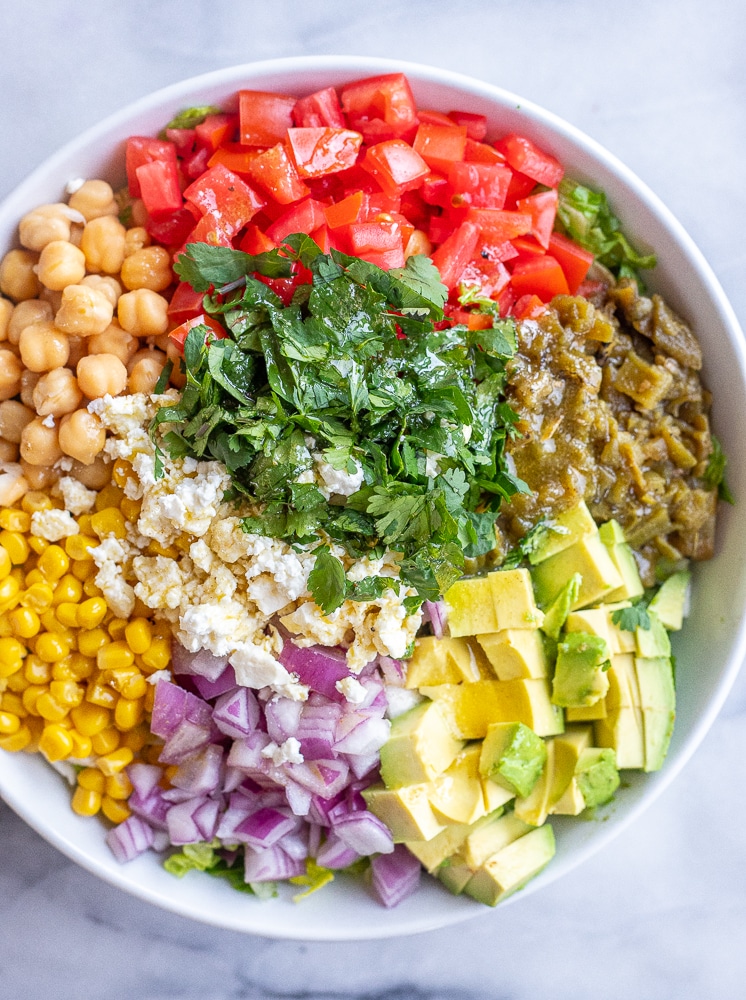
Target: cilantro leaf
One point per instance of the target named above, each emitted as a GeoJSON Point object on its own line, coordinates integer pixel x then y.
{"type": "Point", "coordinates": [636, 616]}
{"type": "Point", "coordinates": [326, 581]}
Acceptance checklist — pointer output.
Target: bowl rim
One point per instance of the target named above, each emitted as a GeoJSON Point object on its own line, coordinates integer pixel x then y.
{"type": "Point", "coordinates": [357, 67]}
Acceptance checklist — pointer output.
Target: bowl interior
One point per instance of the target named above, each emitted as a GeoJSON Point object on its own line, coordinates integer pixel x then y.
{"type": "Point", "coordinates": [709, 651]}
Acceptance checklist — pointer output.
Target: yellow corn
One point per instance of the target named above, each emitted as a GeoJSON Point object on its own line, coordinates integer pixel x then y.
{"type": "Point", "coordinates": [158, 655]}
{"type": "Point", "coordinates": [67, 692]}
{"type": "Point", "coordinates": [109, 496]}
{"type": "Point", "coordinates": [74, 667]}
{"type": "Point", "coordinates": [79, 546]}
{"type": "Point", "coordinates": [36, 670]}
{"type": "Point", "coordinates": [121, 471]}
{"type": "Point", "coordinates": [12, 519]}
{"type": "Point", "coordinates": [91, 640]}
{"type": "Point", "coordinates": [131, 509]}
{"type": "Point", "coordinates": [9, 593]}
{"type": "Point", "coordinates": [83, 569]}
{"type": "Point", "coordinates": [10, 702]}
{"type": "Point", "coordinates": [134, 687]}
{"type": "Point", "coordinates": [82, 745]}
{"type": "Point", "coordinates": [15, 545]}
{"type": "Point", "coordinates": [24, 622]}
{"type": "Point", "coordinates": [90, 719]}
{"type": "Point", "coordinates": [5, 564]}
{"type": "Point", "coordinates": [12, 653]}
{"type": "Point", "coordinates": [50, 708]}
{"type": "Point", "coordinates": [138, 635]}
{"type": "Point", "coordinates": [114, 761]}
{"type": "Point", "coordinates": [9, 723]}
{"type": "Point", "coordinates": [37, 596]}
{"type": "Point", "coordinates": [106, 741]}
{"type": "Point", "coordinates": [128, 713]}
{"type": "Point", "coordinates": [92, 779]}
{"type": "Point", "coordinates": [115, 810]}
{"type": "Point", "coordinates": [53, 563]}
{"type": "Point", "coordinates": [68, 590]}
{"type": "Point", "coordinates": [30, 696]}
{"type": "Point", "coordinates": [114, 655]}
{"type": "Point", "coordinates": [135, 738]}
{"type": "Point", "coordinates": [117, 785]}
{"type": "Point", "coordinates": [89, 587]}
{"type": "Point", "coordinates": [109, 521]}
{"type": "Point", "coordinates": [36, 500]}
{"type": "Point", "coordinates": [92, 612]}
{"type": "Point", "coordinates": [55, 742]}
{"type": "Point", "coordinates": [115, 627]}
{"type": "Point", "coordinates": [85, 801]}
{"type": "Point", "coordinates": [67, 614]}
{"type": "Point", "coordinates": [52, 646]}
{"type": "Point", "coordinates": [99, 694]}
{"type": "Point", "coordinates": [20, 740]}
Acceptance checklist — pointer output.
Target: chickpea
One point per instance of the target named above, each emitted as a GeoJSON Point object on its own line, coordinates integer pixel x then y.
{"type": "Point", "coordinates": [145, 371]}
{"type": "Point", "coordinates": [138, 214]}
{"type": "Point", "coordinates": [148, 268]}
{"type": "Point", "coordinates": [53, 299]}
{"type": "Point", "coordinates": [60, 264]}
{"type": "Point", "coordinates": [95, 476]}
{"type": "Point", "coordinates": [93, 199]}
{"type": "Point", "coordinates": [101, 374]}
{"type": "Point", "coordinates": [13, 485]}
{"type": "Point", "coordinates": [8, 451]}
{"type": "Point", "coordinates": [78, 350]}
{"type": "Point", "coordinates": [177, 376]}
{"type": "Point", "coordinates": [57, 393]}
{"type": "Point", "coordinates": [81, 436]}
{"type": "Point", "coordinates": [38, 477]}
{"type": "Point", "coordinates": [135, 239]}
{"type": "Point", "coordinates": [84, 311]}
{"type": "Point", "coordinates": [114, 340]}
{"type": "Point", "coordinates": [143, 312]}
{"type": "Point", "coordinates": [76, 235]}
{"type": "Point", "coordinates": [44, 224]}
{"type": "Point", "coordinates": [13, 418]}
{"type": "Point", "coordinates": [40, 443]}
{"type": "Point", "coordinates": [103, 243]}
{"type": "Point", "coordinates": [18, 278]}
{"type": "Point", "coordinates": [105, 284]}
{"type": "Point", "coordinates": [11, 370]}
{"type": "Point", "coordinates": [6, 311]}
{"type": "Point", "coordinates": [26, 313]}
{"type": "Point", "coordinates": [28, 384]}
{"type": "Point", "coordinates": [43, 347]}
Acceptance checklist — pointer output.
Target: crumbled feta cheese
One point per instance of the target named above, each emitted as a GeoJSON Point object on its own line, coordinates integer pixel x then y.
{"type": "Point", "coordinates": [75, 496]}
{"type": "Point", "coordinates": [255, 668]}
{"type": "Point", "coordinates": [48, 421]}
{"type": "Point", "coordinates": [400, 700]}
{"type": "Point", "coordinates": [53, 524]}
{"type": "Point", "coordinates": [285, 753]}
{"type": "Point", "coordinates": [352, 689]}
{"type": "Point", "coordinates": [160, 581]}
{"type": "Point", "coordinates": [337, 481]}
{"type": "Point", "coordinates": [158, 675]}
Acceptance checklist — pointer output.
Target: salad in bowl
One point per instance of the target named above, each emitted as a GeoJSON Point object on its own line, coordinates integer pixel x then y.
{"type": "Point", "coordinates": [357, 475]}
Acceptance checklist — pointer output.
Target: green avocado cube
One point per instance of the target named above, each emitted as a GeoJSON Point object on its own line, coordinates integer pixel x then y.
{"type": "Point", "coordinates": [590, 558]}
{"type": "Point", "coordinates": [433, 852]}
{"type": "Point", "coordinates": [512, 867]}
{"type": "Point", "coordinates": [654, 641]}
{"type": "Point", "coordinates": [471, 708]}
{"type": "Point", "coordinates": [515, 652]}
{"type": "Point", "coordinates": [440, 661]}
{"type": "Point", "coordinates": [420, 746]}
{"type": "Point", "coordinates": [580, 672]}
{"type": "Point", "coordinates": [563, 531]}
{"type": "Point", "coordinates": [567, 750]}
{"type": "Point", "coordinates": [489, 837]}
{"type": "Point", "coordinates": [534, 807]}
{"type": "Point", "coordinates": [470, 608]}
{"type": "Point", "coordinates": [405, 811]}
{"type": "Point", "coordinates": [512, 755]}
{"type": "Point", "coordinates": [597, 775]}
{"type": "Point", "coordinates": [514, 602]}
{"type": "Point", "coordinates": [622, 731]}
{"type": "Point", "coordinates": [622, 556]}
{"type": "Point", "coordinates": [456, 795]}
{"type": "Point", "coordinates": [670, 602]}
{"type": "Point", "coordinates": [658, 703]}
{"type": "Point", "coordinates": [556, 613]}
{"type": "Point", "coordinates": [455, 874]}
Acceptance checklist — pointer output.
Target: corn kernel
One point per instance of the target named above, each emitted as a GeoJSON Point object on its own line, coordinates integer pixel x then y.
{"type": "Point", "coordinates": [79, 546]}
{"type": "Point", "coordinates": [114, 656]}
{"type": "Point", "coordinates": [55, 742]}
{"type": "Point", "coordinates": [92, 779]}
{"type": "Point", "coordinates": [15, 545]}
{"type": "Point", "coordinates": [82, 745]}
{"type": "Point", "coordinates": [9, 593]}
{"type": "Point", "coordinates": [136, 738]}
{"type": "Point", "coordinates": [10, 702]}
{"type": "Point", "coordinates": [109, 497]}
{"type": "Point", "coordinates": [115, 810]}
{"type": "Point", "coordinates": [9, 723]}
{"type": "Point", "coordinates": [115, 761]}
{"type": "Point", "coordinates": [128, 713]}
{"type": "Point", "coordinates": [67, 693]}
{"type": "Point", "coordinates": [134, 687]}
{"type": "Point", "coordinates": [90, 719]}
{"type": "Point", "coordinates": [106, 741]}
{"type": "Point", "coordinates": [121, 471]}
{"type": "Point", "coordinates": [36, 500]}
{"type": "Point", "coordinates": [5, 563]}
{"type": "Point", "coordinates": [16, 682]}
{"type": "Point", "coordinates": [115, 627]}
{"type": "Point", "coordinates": [83, 569]}
{"type": "Point", "coordinates": [131, 509]}
{"type": "Point", "coordinates": [37, 544]}
{"type": "Point", "coordinates": [99, 694]}
{"type": "Point", "coordinates": [53, 563]}
{"type": "Point", "coordinates": [68, 590]}
{"type": "Point", "coordinates": [67, 614]}
{"type": "Point", "coordinates": [35, 576]}
{"type": "Point", "coordinates": [30, 696]}
{"type": "Point", "coordinates": [150, 698]}
{"type": "Point", "coordinates": [12, 654]}
{"type": "Point", "coordinates": [24, 622]}
{"type": "Point", "coordinates": [118, 785]}
{"type": "Point", "coordinates": [92, 612]}
{"type": "Point", "coordinates": [109, 521]}
{"type": "Point", "coordinates": [85, 802]}
{"type": "Point", "coordinates": [158, 656]}
{"type": "Point", "coordinates": [15, 520]}
{"type": "Point", "coordinates": [74, 667]}
{"type": "Point", "coordinates": [167, 551]}
{"type": "Point", "coordinates": [90, 589]}
{"type": "Point", "coordinates": [20, 740]}
{"type": "Point", "coordinates": [36, 670]}
{"type": "Point", "coordinates": [50, 709]}
{"type": "Point", "coordinates": [6, 629]}
{"type": "Point", "coordinates": [138, 635]}
{"type": "Point", "coordinates": [37, 596]}
{"type": "Point", "coordinates": [52, 646]}
{"type": "Point", "coordinates": [91, 640]}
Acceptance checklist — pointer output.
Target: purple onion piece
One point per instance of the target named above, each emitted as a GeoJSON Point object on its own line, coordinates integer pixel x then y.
{"type": "Point", "coordinates": [333, 853]}
{"type": "Point", "coordinates": [213, 689]}
{"type": "Point", "coordinates": [203, 663]}
{"type": "Point", "coordinates": [130, 838]}
{"type": "Point", "coordinates": [395, 876]}
{"type": "Point", "coordinates": [363, 832]}
{"type": "Point", "coordinates": [319, 667]}
{"type": "Point", "coordinates": [237, 712]}
{"type": "Point", "coordinates": [271, 865]}
{"type": "Point", "coordinates": [201, 772]}
{"type": "Point", "coordinates": [266, 827]}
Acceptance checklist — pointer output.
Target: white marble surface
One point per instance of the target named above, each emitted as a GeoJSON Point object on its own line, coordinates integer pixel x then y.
{"type": "Point", "coordinates": [661, 912]}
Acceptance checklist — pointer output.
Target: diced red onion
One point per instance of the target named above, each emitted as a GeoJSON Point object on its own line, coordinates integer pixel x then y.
{"type": "Point", "coordinates": [323, 777]}
{"type": "Point", "coordinates": [395, 876]}
{"type": "Point", "coordinates": [202, 772]}
{"type": "Point", "coordinates": [298, 798]}
{"type": "Point", "coordinates": [213, 689]}
{"type": "Point", "coordinates": [130, 838]}
{"type": "Point", "coordinates": [203, 663]}
{"type": "Point", "coordinates": [319, 667]}
{"type": "Point", "coordinates": [246, 753]}
{"type": "Point", "coordinates": [266, 827]}
{"type": "Point", "coordinates": [435, 613]}
{"type": "Point", "coordinates": [366, 738]}
{"type": "Point", "coordinates": [182, 828]}
{"type": "Point", "coordinates": [283, 716]}
{"type": "Point", "coordinates": [271, 865]}
{"type": "Point", "coordinates": [184, 741]}
{"type": "Point", "coordinates": [237, 712]}
{"type": "Point", "coordinates": [393, 671]}
{"type": "Point", "coordinates": [144, 777]}
{"type": "Point", "coordinates": [333, 853]}
{"type": "Point", "coordinates": [365, 833]}
{"type": "Point", "coordinates": [363, 764]}
{"type": "Point", "coordinates": [173, 705]}
{"type": "Point", "coordinates": [151, 807]}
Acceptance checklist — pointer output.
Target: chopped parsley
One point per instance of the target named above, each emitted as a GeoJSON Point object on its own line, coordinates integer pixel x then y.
{"type": "Point", "coordinates": [360, 367]}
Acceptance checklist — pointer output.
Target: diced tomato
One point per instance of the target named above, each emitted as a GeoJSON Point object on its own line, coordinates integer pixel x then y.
{"type": "Point", "coordinates": [159, 186]}
{"type": "Point", "coordinates": [255, 241]}
{"type": "Point", "coordinates": [395, 165]}
{"type": "Point", "coordinates": [440, 227]}
{"type": "Point", "coordinates": [173, 229]}
{"type": "Point", "coordinates": [185, 303]}
{"type": "Point", "coordinates": [573, 259]}
{"type": "Point", "coordinates": [476, 125]}
{"type": "Point", "coordinates": [320, 151]}
{"type": "Point", "coordinates": [264, 118]}
{"type": "Point", "coordinates": [413, 206]}
{"type": "Point", "coordinates": [275, 173]}
{"type": "Point", "coordinates": [481, 152]}
{"type": "Point", "coordinates": [141, 149]}
{"type": "Point", "coordinates": [284, 287]}
{"type": "Point", "coordinates": [431, 117]}
{"type": "Point", "coordinates": [435, 190]}
{"type": "Point", "coordinates": [506, 300]}
{"type": "Point", "coordinates": [194, 164]}
{"type": "Point", "coordinates": [216, 129]}
{"type": "Point", "coordinates": [303, 217]}
{"type": "Point", "coordinates": [320, 236]}
{"type": "Point", "coordinates": [455, 252]}
{"type": "Point", "coordinates": [210, 229]}
{"type": "Point", "coordinates": [349, 209]}
{"type": "Point", "coordinates": [234, 156]}
{"type": "Point", "coordinates": [525, 156]}
{"type": "Point", "coordinates": [542, 208]}
{"type": "Point", "coordinates": [182, 138]}
{"type": "Point", "coordinates": [179, 335]}
{"type": "Point", "coordinates": [528, 307]}
{"type": "Point", "coordinates": [378, 242]}
{"type": "Point", "coordinates": [474, 320]}
{"type": "Point", "coordinates": [490, 276]}
{"type": "Point", "coordinates": [481, 185]}
{"type": "Point", "coordinates": [526, 246]}
{"type": "Point", "coordinates": [223, 193]}
{"type": "Point", "coordinates": [319, 109]}
{"type": "Point", "coordinates": [440, 145]}
{"type": "Point", "coordinates": [540, 276]}
{"type": "Point", "coordinates": [499, 251]}
{"type": "Point", "coordinates": [498, 225]}
{"type": "Point", "coordinates": [388, 98]}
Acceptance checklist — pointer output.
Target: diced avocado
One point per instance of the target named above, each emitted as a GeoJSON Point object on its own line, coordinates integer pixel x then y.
{"type": "Point", "coordinates": [670, 602]}
{"type": "Point", "coordinates": [494, 795]}
{"type": "Point", "coordinates": [431, 853]}
{"type": "Point", "coordinates": [571, 803]}
{"type": "Point", "coordinates": [622, 556]}
{"type": "Point", "coordinates": [658, 703]}
{"type": "Point", "coordinates": [512, 867]}
{"type": "Point", "coordinates": [597, 776]}
{"type": "Point", "coordinates": [513, 597]}
{"type": "Point", "coordinates": [593, 620]}
{"type": "Point", "coordinates": [470, 608]}
{"type": "Point", "coordinates": [567, 750]}
{"type": "Point", "coordinates": [622, 731]}
{"type": "Point", "coordinates": [556, 613]}
{"type": "Point", "coordinates": [563, 531]}
{"type": "Point", "coordinates": [623, 689]}
{"type": "Point", "coordinates": [471, 708]}
{"type": "Point", "coordinates": [534, 808]}
{"type": "Point", "coordinates": [456, 795]}
{"type": "Point", "coordinates": [489, 837]}
{"type": "Point", "coordinates": [622, 640]}
{"type": "Point", "coordinates": [454, 873]}
{"type": "Point", "coordinates": [420, 746]}
{"type": "Point", "coordinates": [653, 641]}
{"type": "Point", "coordinates": [513, 756]}
{"type": "Point", "coordinates": [586, 713]}
{"type": "Point", "coordinates": [590, 558]}
{"type": "Point", "coordinates": [580, 673]}
{"type": "Point", "coordinates": [515, 652]}
{"type": "Point", "coordinates": [440, 661]}
{"type": "Point", "coordinates": [482, 666]}
{"type": "Point", "coordinates": [405, 811]}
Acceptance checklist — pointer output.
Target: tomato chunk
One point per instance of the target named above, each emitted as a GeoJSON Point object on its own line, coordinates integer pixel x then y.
{"type": "Point", "coordinates": [388, 98]}
{"type": "Point", "coordinates": [179, 335]}
{"type": "Point", "coordinates": [542, 208]}
{"type": "Point", "coordinates": [185, 303]}
{"type": "Point", "coordinates": [455, 252]}
{"type": "Point", "coordinates": [319, 109]}
{"type": "Point", "coordinates": [481, 185]}
{"type": "Point", "coordinates": [524, 155]}
{"type": "Point", "coordinates": [215, 129]}
{"type": "Point", "coordinates": [304, 217]}
{"type": "Point", "coordinates": [141, 149]}
{"type": "Point", "coordinates": [440, 145]}
{"type": "Point", "coordinates": [321, 151]}
{"type": "Point", "coordinates": [498, 225]}
{"type": "Point", "coordinates": [540, 276]}
{"type": "Point", "coordinates": [264, 118]}
{"type": "Point", "coordinates": [475, 125]}
{"type": "Point", "coordinates": [223, 193]}
{"type": "Point", "coordinates": [275, 173]}
{"type": "Point", "coordinates": [573, 259]}
{"type": "Point", "coordinates": [350, 209]}
{"type": "Point", "coordinates": [159, 186]}
{"type": "Point", "coordinates": [395, 165]}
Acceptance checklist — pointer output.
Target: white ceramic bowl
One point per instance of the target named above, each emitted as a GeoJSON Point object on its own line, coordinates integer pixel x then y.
{"type": "Point", "coordinates": [711, 647]}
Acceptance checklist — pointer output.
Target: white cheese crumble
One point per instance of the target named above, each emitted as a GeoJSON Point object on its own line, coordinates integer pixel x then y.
{"type": "Point", "coordinates": [53, 524]}
{"type": "Point", "coordinates": [75, 496]}
{"type": "Point", "coordinates": [352, 689]}
{"type": "Point", "coordinates": [284, 753]}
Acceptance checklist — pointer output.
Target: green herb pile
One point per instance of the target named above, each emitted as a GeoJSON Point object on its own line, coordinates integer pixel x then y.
{"type": "Point", "coordinates": [362, 362]}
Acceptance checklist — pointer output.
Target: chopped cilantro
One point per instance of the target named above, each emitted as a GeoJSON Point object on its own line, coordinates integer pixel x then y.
{"type": "Point", "coordinates": [634, 617]}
